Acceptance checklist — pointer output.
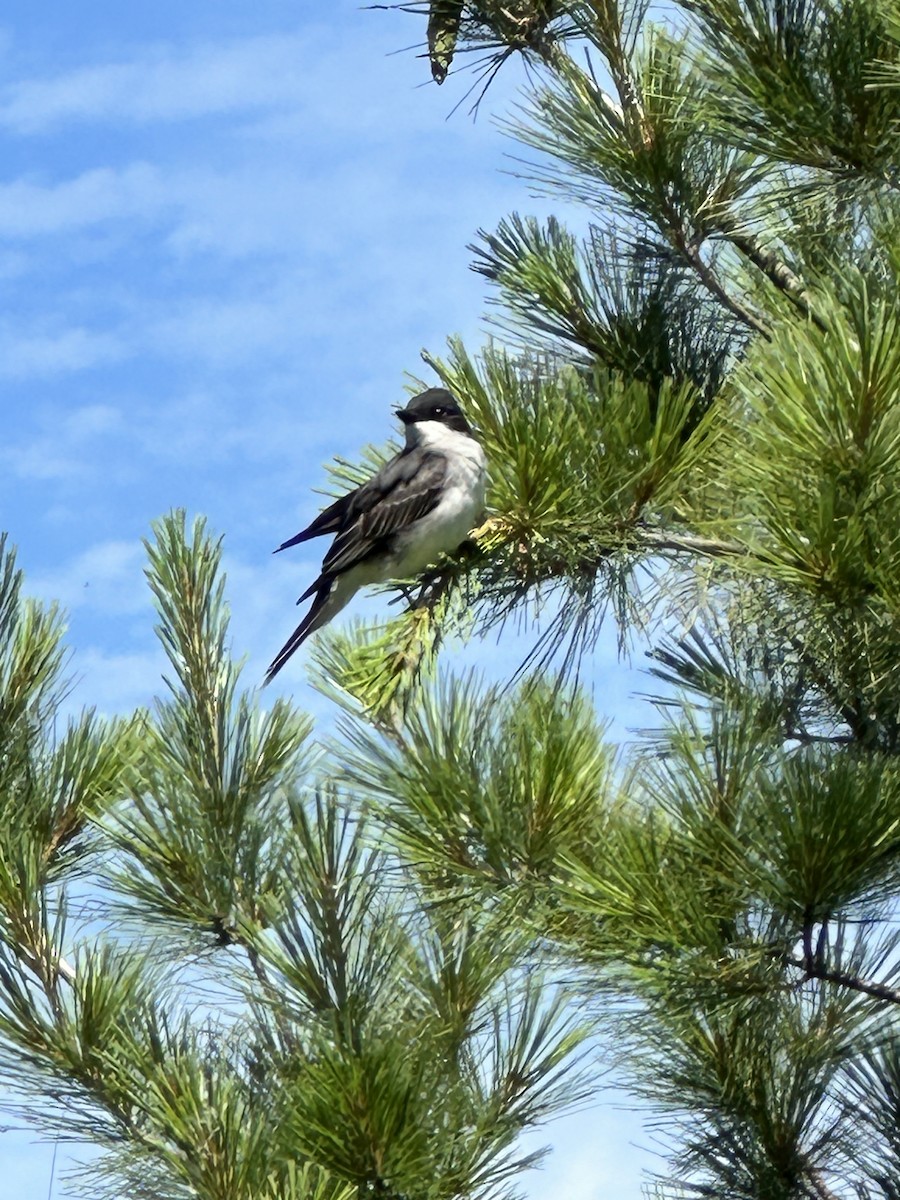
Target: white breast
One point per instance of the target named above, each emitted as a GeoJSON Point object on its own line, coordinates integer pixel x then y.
{"type": "Point", "coordinates": [460, 508]}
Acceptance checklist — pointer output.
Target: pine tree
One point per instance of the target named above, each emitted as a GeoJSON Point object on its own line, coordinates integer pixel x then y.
{"type": "Point", "coordinates": [209, 968]}
{"type": "Point", "coordinates": [364, 976]}
{"type": "Point", "coordinates": [693, 421]}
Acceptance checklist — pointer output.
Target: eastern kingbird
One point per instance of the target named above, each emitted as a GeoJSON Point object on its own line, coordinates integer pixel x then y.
{"type": "Point", "coordinates": [421, 504]}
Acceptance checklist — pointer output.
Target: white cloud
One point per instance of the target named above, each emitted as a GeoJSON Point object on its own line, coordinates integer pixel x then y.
{"type": "Point", "coordinates": [232, 329]}
{"type": "Point", "coordinates": [164, 84]}
{"type": "Point", "coordinates": [25, 355]}
{"type": "Point", "coordinates": [13, 265]}
{"type": "Point", "coordinates": [90, 420]}
{"type": "Point", "coordinates": [40, 460]}
{"type": "Point", "coordinates": [115, 683]}
{"type": "Point", "coordinates": [64, 443]}
{"type": "Point", "coordinates": [250, 206]}
{"type": "Point", "coordinates": [106, 582]}
{"type": "Point", "coordinates": [107, 576]}
{"type": "Point", "coordinates": [309, 81]}
{"type": "Point", "coordinates": [32, 209]}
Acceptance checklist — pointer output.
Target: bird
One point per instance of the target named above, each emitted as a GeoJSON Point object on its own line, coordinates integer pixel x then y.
{"type": "Point", "coordinates": [421, 504]}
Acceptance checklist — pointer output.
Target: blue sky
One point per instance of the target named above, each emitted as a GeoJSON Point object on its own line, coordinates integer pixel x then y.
{"type": "Point", "coordinates": [226, 231]}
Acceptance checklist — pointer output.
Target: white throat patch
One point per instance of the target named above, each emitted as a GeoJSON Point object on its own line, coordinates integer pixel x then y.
{"type": "Point", "coordinates": [435, 435]}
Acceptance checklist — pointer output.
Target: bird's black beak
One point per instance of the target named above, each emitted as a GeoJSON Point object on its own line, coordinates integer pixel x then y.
{"type": "Point", "coordinates": [405, 415]}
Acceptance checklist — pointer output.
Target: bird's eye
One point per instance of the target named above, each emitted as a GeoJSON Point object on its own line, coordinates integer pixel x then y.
{"type": "Point", "coordinates": [440, 411]}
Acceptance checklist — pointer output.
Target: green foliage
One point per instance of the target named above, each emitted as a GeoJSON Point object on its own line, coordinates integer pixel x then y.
{"type": "Point", "coordinates": [756, 1119]}
{"type": "Point", "coordinates": [566, 497]}
{"type": "Point", "coordinates": [833, 824]}
{"type": "Point", "coordinates": [381, 671]}
{"type": "Point", "coordinates": [333, 1037]}
{"type": "Point", "coordinates": [629, 315]}
{"type": "Point", "coordinates": [409, 1053]}
{"type": "Point", "coordinates": [653, 160]}
{"type": "Point", "coordinates": [477, 785]}
{"type": "Point", "coordinates": [53, 788]}
{"type": "Point", "coordinates": [792, 81]}
{"type": "Point", "coordinates": [815, 442]}
{"type": "Point", "coordinates": [30, 653]}
{"type": "Point", "coordinates": [208, 829]}
{"type": "Point", "coordinates": [695, 424]}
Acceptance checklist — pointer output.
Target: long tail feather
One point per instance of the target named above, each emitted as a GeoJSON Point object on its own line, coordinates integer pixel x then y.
{"type": "Point", "coordinates": [308, 625]}
{"type": "Point", "coordinates": [303, 536]}
{"type": "Point", "coordinates": [331, 594]}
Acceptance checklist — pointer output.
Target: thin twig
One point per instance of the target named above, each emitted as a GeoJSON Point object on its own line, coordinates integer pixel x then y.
{"type": "Point", "coordinates": [273, 997]}
{"type": "Point", "coordinates": [860, 726]}
{"type": "Point", "coordinates": [819, 1187]}
{"type": "Point", "coordinates": [775, 269]}
{"type": "Point", "coordinates": [47, 969]}
{"type": "Point", "coordinates": [257, 965]}
{"type": "Point", "coordinates": [708, 278]}
{"type": "Point", "coordinates": [868, 987]}
{"type": "Point", "coordinates": [65, 970]}
{"type": "Point", "coordinates": [688, 543]}
{"type": "Point", "coordinates": [52, 1170]}
{"type": "Point", "coordinates": [792, 734]}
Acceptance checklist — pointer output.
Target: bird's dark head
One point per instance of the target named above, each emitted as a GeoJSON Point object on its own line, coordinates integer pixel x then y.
{"type": "Point", "coordinates": [437, 404]}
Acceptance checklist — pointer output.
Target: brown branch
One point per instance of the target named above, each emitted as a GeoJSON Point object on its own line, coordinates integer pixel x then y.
{"type": "Point", "coordinates": [818, 1186]}
{"type": "Point", "coordinates": [775, 269]}
{"type": "Point", "coordinates": [689, 543]}
{"type": "Point", "coordinates": [868, 987]}
{"type": "Point", "coordinates": [651, 539]}
{"type": "Point", "coordinates": [708, 278]}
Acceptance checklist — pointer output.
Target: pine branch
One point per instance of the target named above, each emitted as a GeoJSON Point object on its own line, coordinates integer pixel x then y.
{"type": "Point", "coordinates": [649, 152]}
{"type": "Point", "coordinates": [817, 970]}
{"type": "Point", "coordinates": [631, 118]}
{"type": "Point", "coordinates": [707, 277]}
{"type": "Point", "coordinates": [820, 1188]}
{"type": "Point", "coordinates": [774, 268]}
{"type": "Point", "coordinates": [687, 543]}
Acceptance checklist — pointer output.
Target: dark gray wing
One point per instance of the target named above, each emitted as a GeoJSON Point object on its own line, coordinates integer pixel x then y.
{"type": "Point", "coordinates": [340, 516]}
{"type": "Point", "coordinates": [404, 490]}
{"type": "Point", "coordinates": [364, 521]}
